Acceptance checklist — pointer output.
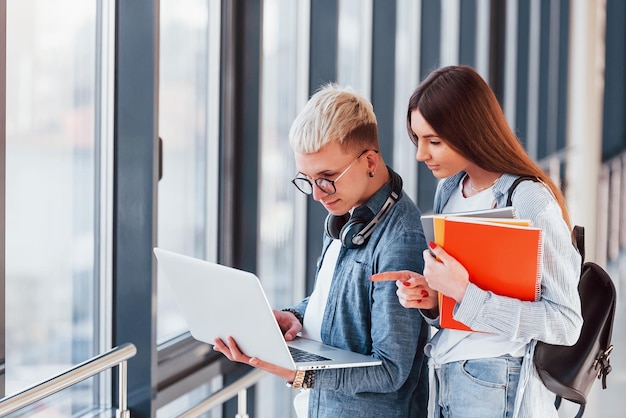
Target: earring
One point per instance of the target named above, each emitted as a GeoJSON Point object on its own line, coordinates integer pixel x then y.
{"type": "Point", "coordinates": [371, 174]}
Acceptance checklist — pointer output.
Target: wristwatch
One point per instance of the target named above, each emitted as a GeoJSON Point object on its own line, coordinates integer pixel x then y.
{"type": "Point", "coordinates": [303, 380]}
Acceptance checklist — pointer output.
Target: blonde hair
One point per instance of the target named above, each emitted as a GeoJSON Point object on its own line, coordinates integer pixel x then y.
{"type": "Point", "coordinates": [334, 113]}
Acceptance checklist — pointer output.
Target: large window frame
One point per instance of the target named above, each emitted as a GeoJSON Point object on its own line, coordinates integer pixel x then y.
{"type": "Point", "coordinates": [3, 31]}
{"type": "Point", "coordinates": [92, 97]}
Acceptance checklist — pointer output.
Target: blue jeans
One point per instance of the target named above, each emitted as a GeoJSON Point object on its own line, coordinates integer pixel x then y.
{"type": "Point", "coordinates": [479, 388]}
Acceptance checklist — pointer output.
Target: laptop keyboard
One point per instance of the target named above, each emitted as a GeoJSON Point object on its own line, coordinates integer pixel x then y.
{"type": "Point", "coordinates": [301, 355]}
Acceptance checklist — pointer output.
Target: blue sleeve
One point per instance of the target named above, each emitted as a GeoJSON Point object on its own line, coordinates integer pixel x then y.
{"type": "Point", "coordinates": [397, 334]}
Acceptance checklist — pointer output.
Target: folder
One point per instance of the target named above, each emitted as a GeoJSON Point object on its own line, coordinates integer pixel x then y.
{"type": "Point", "coordinates": [500, 255]}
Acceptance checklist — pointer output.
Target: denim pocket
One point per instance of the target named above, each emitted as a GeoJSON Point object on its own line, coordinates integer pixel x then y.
{"type": "Point", "coordinates": [481, 388]}
{"type": "Point", "coordinates": [492, 372]}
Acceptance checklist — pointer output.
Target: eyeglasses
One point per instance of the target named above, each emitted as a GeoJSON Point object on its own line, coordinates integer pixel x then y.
{"type": "Point", "coordinates": [326, 185]}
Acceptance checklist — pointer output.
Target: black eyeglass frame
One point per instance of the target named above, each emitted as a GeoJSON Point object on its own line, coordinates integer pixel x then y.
{"type": "Point", "coordinates": [325, 183]}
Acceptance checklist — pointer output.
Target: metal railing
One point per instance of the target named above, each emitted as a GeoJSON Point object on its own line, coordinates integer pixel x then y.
{"type": "Point", "coordinates": [238, 388]}
{"type": "Point", "coordinates": [114, 357]}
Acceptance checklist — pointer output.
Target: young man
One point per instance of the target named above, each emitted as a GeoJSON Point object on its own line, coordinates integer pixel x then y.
{"type": "Point", "coordinates": [372, 227]}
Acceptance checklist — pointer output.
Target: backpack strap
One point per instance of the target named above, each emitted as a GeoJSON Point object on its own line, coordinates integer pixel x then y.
{"type": "Point", "coordinates": [578, 233]}
{"type": "Point", "coordinates": [509, 200]}
{"type": "Point", "coordinates": [578, 238]}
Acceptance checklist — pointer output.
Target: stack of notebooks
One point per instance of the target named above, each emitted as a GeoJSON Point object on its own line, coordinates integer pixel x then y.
{"type": "Point", "coordinates": [501, 253]}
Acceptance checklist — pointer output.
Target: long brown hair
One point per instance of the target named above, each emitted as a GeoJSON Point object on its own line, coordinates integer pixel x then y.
{"type": "Point", "coordinates": [463, 110]}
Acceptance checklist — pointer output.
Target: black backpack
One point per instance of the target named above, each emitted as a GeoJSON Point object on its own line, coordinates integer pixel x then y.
{"type": "Point", "coordinates": [569, 371]}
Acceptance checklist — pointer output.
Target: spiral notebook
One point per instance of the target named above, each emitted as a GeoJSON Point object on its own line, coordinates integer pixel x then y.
{"type": "Point", "coordinates": [499, 257]}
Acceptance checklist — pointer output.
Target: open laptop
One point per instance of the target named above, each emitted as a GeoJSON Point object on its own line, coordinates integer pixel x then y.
{"type": "Point", "coordinates": [219, 301]}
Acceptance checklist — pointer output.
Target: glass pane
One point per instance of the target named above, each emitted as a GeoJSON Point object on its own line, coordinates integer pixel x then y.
{"type": "Point", "coordinates": [63, 404]}
{"type": "Point", "coordinates": [277, 252]}
{"type": "Point", "coordinates": [184, 94]}
{"type": "Point", "coordinates": [355, 45]}
{"type": "Point", "coordinates": [51, 199]}
{"type": "Point", "coordinates": [193, 397]}
{"type": "Point", "coordinates": [406, 80]}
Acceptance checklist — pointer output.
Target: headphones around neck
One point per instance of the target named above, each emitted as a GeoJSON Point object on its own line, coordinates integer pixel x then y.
{"type": "Point", "coordinates": [353, 231]}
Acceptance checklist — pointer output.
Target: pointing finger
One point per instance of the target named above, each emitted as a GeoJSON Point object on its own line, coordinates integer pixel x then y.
{"type": "Point", "coordinates": [391, 276]}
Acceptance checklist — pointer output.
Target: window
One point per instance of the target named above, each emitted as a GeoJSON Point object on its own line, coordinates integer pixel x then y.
{"type": "Point", "coordinates": [281, 251]}
{"type": "Point", "coordinates": [188, 114]}
{"type": "Point", "coordinates": [56, 194]}
{"type": "Point", "coordinates": [354, 56]}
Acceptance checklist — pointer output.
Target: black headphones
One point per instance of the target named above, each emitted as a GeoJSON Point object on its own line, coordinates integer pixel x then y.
{"type": "Point", "coordinates": [353, 231]}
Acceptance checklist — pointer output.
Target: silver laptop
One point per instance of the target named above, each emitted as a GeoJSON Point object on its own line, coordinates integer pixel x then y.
{"type": "Point", "coordinates": [219, 301]}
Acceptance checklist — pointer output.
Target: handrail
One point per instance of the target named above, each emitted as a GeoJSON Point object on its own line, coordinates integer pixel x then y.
{"type": "Point", "coordinates": [78, 373]}
{"type": "Point", "coordinates": [236, 388]}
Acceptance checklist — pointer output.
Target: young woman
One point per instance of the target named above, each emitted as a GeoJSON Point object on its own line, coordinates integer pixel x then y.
{"type": "Point", "coordinates": [462, 136]}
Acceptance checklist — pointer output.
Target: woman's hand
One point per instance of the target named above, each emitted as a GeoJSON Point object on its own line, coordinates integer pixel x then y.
{"type": "Point", "coordinates": [444, 274]}
{"type": "Point", "coordinates": [413, 290]}
{"type": "Point", "coordinates": [232, 352]}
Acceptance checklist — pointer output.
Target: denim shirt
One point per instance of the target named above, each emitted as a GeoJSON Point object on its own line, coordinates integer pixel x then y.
{"type": "Point", "coordinates": [555, 318]}
{"type": "Point", "coordinates": [367, 318]}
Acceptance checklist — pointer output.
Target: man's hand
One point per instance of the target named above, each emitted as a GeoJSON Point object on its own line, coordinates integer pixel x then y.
{"type": "Point", "coordinates": [232, 352]}
{"type": "Point", "coordinates": [288, 323]}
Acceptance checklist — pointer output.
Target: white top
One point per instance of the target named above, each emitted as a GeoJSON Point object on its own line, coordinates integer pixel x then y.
{"type": "Point", "coordinates": [459, 203]}
{"type": "Point", "coordinates": [443, 348]}
{"type": "Point", "coordinates": [312, 326]}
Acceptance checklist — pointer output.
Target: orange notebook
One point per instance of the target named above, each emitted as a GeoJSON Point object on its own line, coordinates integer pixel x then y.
{"type": "Point", "coordinates": [500, 255]}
